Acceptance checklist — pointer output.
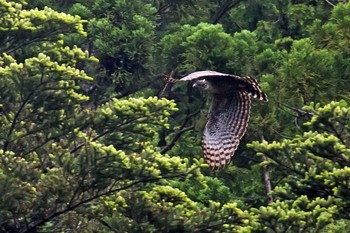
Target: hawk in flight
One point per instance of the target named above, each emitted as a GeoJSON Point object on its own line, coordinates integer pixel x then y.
{"type": "Point", "coordinates": [228, 113]}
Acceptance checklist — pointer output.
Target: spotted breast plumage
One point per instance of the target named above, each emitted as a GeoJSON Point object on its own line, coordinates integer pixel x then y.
{"type": "Point", "coordinates": [228, 113]}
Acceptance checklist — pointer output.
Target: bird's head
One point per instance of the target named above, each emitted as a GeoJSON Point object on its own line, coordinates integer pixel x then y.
{"type": "Point", "coordinates": [202, 84]}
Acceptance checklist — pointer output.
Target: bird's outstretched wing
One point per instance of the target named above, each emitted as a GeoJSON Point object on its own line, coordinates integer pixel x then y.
{"type": "Point", "coordinates": [227, 122]}
{"type": "Point", "coordinates": [206, 74]}
{"type": "Point", "coordinates": [228, 83]}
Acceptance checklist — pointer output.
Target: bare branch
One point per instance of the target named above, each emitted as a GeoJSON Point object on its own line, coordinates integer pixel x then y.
{"type": "Point", "coordinates": [227, 6]}
{"type": "Point", "coordinates": [169, 80]}
{"type": "Point", "coordinates": [14, 121]}
{"type": "Point", "coordinates": [162, 8]}
{"type": "Point", "coordinates": [300, 112]}
{"type": "Point", "coordinates": [33, 226]}
{"type": "Point", "coordinates": [182, 129]}
{"type": "Point", "coordinates": [175, 138]}
{"type": "Point", "coordinates": [327, 1]}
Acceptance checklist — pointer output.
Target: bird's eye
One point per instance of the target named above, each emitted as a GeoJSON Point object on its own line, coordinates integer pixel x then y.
{"type": "Point", "coordinates": [200, 84]}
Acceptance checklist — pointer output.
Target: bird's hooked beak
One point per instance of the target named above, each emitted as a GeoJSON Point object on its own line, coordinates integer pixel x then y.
{"type": "Point", "coordinates": [201, 84]}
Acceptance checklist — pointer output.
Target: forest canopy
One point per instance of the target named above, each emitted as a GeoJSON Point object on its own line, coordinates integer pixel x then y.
{"type": "Point", "coordinates": [93, 139]}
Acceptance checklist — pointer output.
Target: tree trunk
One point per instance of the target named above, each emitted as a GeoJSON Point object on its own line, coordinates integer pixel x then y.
{"type": "Point", "coordinates": [267, 181]}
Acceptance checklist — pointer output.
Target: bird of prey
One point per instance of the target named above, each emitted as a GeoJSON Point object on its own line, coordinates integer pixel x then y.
{"type": "Point", "coordinates": [228, 113]}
